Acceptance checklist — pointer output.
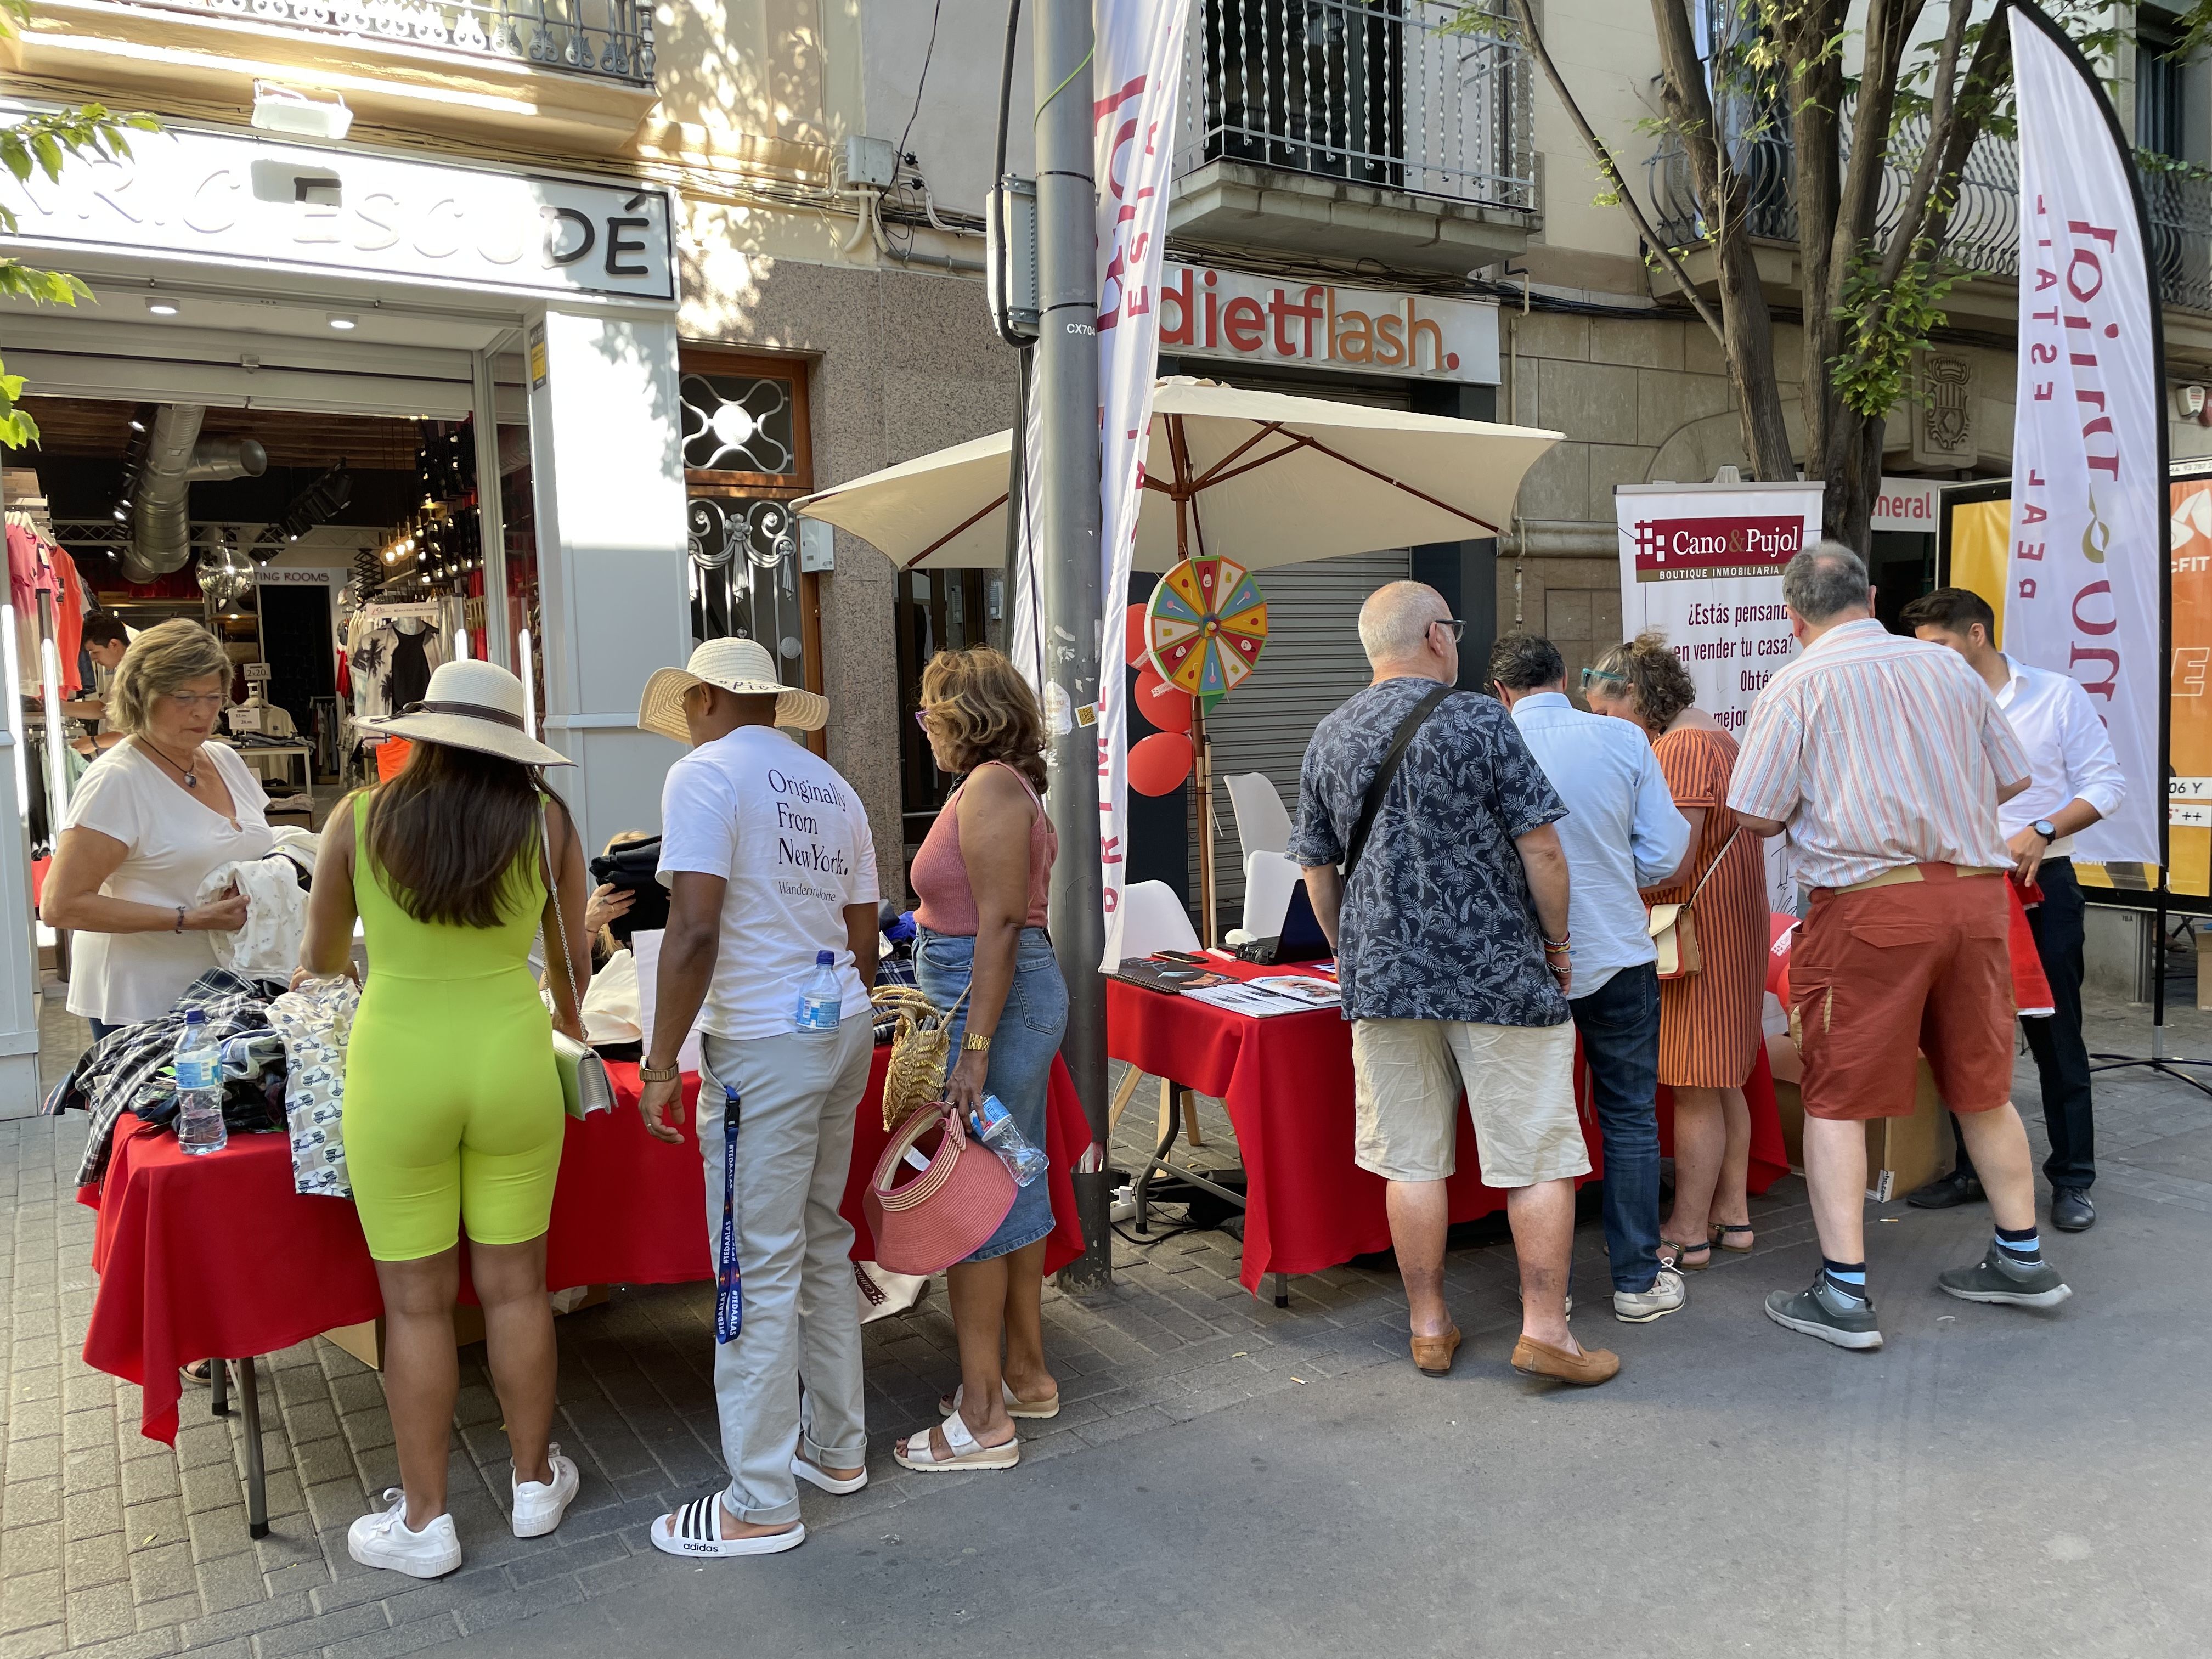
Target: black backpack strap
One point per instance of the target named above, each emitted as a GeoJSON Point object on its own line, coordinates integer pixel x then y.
{"type": "Point", "coordinates": [1416, 717]}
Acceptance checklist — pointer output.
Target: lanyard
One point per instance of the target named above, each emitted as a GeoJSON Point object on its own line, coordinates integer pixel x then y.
{"type": "Point", "coordinates": [729, 1286]}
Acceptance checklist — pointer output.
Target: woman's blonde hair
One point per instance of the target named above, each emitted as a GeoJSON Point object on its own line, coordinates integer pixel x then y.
{"type": "Point", "coordinates": [985, 711]}
{"type": "Point", "coordinates": [165, 656]}
{"type": "Point", "coordinates": [1647, 669]}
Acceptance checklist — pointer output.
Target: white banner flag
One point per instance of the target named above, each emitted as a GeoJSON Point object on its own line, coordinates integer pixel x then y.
{"type": "Point", "coordinates": [2088, 486]}
{"type": "Point", "coordinates": [1135, 72]}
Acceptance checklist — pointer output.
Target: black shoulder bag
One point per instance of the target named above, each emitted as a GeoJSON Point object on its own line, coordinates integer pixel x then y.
{"type": "Point", "coordinates": [1416, 717]}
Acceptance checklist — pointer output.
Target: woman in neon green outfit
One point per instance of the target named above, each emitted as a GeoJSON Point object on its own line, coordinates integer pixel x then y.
{"type": "Point", "coordinates": [452, 1104]}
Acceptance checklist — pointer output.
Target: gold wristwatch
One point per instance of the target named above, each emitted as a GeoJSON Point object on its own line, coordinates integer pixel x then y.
{"type": "Point", "coordinates": [974, 1044]}
{"type": "Point", "coordinates": [659, 1073]}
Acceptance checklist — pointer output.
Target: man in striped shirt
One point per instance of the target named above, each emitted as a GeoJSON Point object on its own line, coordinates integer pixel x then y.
{"type": "Point", "coordinates": [1885, 758]}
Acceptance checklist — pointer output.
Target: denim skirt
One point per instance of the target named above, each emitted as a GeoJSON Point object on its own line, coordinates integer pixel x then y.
{"type": "Point", "coordinates": [1022, 1050]}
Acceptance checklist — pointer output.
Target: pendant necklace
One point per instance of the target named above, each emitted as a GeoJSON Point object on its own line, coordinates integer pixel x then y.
{"type": "Point", "coordinates": [190, 773]}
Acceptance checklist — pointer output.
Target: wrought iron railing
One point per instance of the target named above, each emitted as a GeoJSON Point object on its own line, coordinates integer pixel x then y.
{"type": "Point", "coordinates": [608, 38]}
{"type": "Point", "coordinates": [1375, 92]}
{"type": "Point", "coordinates": [1983, 235]}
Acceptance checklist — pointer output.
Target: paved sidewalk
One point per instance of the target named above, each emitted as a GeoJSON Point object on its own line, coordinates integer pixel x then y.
{"type": "Point", "coordinates": [113, 1545]}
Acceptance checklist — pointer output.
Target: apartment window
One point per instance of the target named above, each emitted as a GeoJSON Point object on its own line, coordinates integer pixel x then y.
{"type": "Point", "coordinates": [1309, 86]}
{"type": "Point", "coordinates": [2162, 95]}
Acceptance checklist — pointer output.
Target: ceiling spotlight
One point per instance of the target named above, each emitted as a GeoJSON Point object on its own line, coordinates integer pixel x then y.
{"type": "Point", "coordinates": [120, 515]}
{"type": "Point", "coordinates": [343, 324]}
{"type": "Point", "coordinates": [161, 307]}
{"type": "Point", "coordinates": [136, 425]}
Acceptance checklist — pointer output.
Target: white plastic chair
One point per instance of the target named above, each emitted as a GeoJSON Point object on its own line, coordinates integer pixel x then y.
{"type": "Point", "coordinates": [1270, 880]}
{"type": "Point", "coordinates": [1263, 823]}
{"type": "Point", "coordinates": [1152, 920]}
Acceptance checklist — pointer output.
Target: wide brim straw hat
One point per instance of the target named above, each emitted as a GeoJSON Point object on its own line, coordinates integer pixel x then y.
{"type": "Point", "coordinates": [740, 665]}
{"type": "Point", "coordinates": [472, 705]}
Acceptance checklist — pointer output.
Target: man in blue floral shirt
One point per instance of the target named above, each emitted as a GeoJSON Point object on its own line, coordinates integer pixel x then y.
{"type": "Point", "coordinates": [1451, 938]}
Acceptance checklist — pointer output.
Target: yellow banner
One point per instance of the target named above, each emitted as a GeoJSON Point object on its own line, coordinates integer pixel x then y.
{"type": "Point", "coordinates": [1980, 531]}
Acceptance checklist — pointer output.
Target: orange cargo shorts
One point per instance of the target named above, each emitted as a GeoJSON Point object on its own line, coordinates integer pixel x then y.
{"type": "Point", "coordinates": [1880, 976]}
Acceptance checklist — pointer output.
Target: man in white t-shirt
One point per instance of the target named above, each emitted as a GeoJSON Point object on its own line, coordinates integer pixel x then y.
{"type": "Point", "coordinates": [770, 869]}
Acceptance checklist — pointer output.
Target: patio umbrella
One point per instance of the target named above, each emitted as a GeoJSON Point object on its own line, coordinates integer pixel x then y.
{"type": "Point", "coordinates": [1260, 477]}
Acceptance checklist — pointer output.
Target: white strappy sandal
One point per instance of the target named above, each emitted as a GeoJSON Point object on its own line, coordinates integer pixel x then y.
{"type": "Point", "coordinates": [695, 1529]}
{"type": "Point", "coordinates": [916, 1452]}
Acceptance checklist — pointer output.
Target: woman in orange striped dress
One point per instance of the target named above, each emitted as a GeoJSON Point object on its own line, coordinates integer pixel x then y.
{"type": "Point", "coordinates": [1709, 1021]}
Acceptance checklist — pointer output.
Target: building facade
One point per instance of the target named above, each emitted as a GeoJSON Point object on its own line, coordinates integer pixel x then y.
{"type": "Point", "coordinates": [676, 267]}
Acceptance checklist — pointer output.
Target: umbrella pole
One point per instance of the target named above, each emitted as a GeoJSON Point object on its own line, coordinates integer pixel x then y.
{"type": "Point", "coordinates": [1204, 765]}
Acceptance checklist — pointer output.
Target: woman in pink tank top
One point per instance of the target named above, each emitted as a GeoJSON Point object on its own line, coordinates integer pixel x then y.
{"type": "Point", "coordinates": [980, 877]}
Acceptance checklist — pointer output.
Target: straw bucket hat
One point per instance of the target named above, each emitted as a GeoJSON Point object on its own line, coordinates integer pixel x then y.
{"type": "Point", "coordinates": [472, 705]}
{"type": "Point", "coordinates": [740, 665]}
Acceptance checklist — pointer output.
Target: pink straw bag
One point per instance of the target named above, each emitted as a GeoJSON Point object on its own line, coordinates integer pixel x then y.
{"type": "Point", "coordinates": [928, 1219]}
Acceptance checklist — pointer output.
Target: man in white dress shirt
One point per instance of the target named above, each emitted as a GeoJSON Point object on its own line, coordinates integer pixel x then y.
{"type": "Point", "coordinates": [2076, 780]}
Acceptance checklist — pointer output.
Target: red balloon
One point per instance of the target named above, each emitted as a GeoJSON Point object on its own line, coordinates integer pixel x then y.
{"type": "Point", "coordinates": [1160, 763]}
{"type": "Point", "coordinates": [1167, 707]}
{"type": "Point", "coordinates": [1133, 637]}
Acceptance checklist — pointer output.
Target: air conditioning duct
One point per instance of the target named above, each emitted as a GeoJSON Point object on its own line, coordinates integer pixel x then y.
{"type": "Point", "coordinates": [161, 523]}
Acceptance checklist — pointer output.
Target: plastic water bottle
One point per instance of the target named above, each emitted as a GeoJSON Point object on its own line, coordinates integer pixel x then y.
{"type": "Point", "coordinates": [821, 999]}
{"type": "Point", "coordinates": [995, 1126]}
{"type": "Point", "coordinates": [199, 1088]}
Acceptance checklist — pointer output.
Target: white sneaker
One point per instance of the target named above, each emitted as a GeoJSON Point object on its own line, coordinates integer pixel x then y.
{"type": "Point", "coordinates": [539, 1505]}
{"type": "Point", "coordinates": [384, 1540]}
{"type": "Point", "coordinates": [1667, 1293]}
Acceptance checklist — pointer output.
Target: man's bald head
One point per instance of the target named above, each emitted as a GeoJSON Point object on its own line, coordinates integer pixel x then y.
{"type": "Point", "coordinates": [1395, 622]}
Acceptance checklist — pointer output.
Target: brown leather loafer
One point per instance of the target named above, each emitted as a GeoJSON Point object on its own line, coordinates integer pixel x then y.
{"type": "Point", "coordinates": [1433, 1354]}
{"type": "Point", "coordinates": [1585, 1370]}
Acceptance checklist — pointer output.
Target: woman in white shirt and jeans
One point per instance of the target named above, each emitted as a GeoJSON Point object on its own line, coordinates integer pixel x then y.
{"type": "Point", "coordinates": [148, 822]}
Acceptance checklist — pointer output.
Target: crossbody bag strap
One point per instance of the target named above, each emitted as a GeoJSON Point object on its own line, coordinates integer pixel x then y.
{"type": "Point", "coordinates": [1714, 866]}
{"type": "Point", "coordinates": [1416, 717]}
{"type": "Point", "coordinates": [553, 888]}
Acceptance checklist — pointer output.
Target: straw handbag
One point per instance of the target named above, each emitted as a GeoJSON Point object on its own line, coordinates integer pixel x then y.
{"type": "Point", "coordinates": [921, 1050]}
{"type": "Point", "coordinates": [926, 1218]}
{"type": "Point", "coordinates": [1674, 930]}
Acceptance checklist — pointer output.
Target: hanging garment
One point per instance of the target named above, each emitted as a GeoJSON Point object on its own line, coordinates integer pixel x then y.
{"type": "Point", "coordinates": [408, 680]}
{"type": "Point", "coordinates": [134, 1070]}
{"type": "Point", "coordinates": [68, 622]}
{"type": "Point", "coordinates": [315, 1022]}
{"type": "Point", "coordinates": [267, 947]}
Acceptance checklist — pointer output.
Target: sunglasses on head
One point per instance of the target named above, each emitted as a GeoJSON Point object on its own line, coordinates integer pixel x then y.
{"type": "Point", "coordinates": [1592, 676]}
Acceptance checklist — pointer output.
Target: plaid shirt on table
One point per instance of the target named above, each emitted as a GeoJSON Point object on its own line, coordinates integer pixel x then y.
{"type": "Point", "coordinates": [1878, 752]}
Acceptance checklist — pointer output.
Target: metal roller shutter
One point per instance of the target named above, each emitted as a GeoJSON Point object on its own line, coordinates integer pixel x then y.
{"type": "Point", "coordinates": [1312, 664]}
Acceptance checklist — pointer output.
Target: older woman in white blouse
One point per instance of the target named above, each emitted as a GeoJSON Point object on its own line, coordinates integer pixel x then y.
{"type": "Point", "coordinates": [149, 821]}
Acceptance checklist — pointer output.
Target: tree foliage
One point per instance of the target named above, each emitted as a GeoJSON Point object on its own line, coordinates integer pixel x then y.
{"type": "Point", "coordinates": [1855, 102]}
{"type": "Point", "coordinates": [44, 144]}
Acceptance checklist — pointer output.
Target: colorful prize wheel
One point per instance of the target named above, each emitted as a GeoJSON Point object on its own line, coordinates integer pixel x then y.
{"type": "Point", "coordinates": [1204, 626]}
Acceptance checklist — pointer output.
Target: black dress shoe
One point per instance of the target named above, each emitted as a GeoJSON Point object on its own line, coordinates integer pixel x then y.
{"type": "Point", "coordinates": [1946, 1192]}
{"type": "Point", "coordinates": [2071, 1210]}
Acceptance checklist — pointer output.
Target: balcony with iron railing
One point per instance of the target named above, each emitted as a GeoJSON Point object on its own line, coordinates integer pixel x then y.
{"type": "Point", "coordinates": [574, 75]}
{"type": "Point", "coordinates": [1983, 235]}
{"type": "Point", "coordinates": [1353, 127]}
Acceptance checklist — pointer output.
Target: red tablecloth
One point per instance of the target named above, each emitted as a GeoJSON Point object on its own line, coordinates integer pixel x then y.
{"type": "Point", "coordinates": [220, 1255]}
{"type": "Point", "coordinates": [1286, 1084]}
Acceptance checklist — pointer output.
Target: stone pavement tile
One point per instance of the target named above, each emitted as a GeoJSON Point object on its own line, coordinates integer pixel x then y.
{"type": "Point", "coordinates": [140, 1645]}
{"type": "Point", "coordinates": [337, 1502]}
{"type": "Point", "coordinates": [307, 1635]}
{"type": "Point", "coordinates": [160, 1571]}
{"type": "Point", "coordinates": [145, 1478]}
{"type": "Point", "coordinates": [1122, 1426]}
{"type": "Point", "coordinates": [38, 1383]}
{"type": "Point", "coordinates": [616, 1575]}
{"type": "Point", "coordinates": [33, 1459]}
{"type": "Point", "coordinates": [89, 1562]}
{"type": "Point", "coordinates": [28, 1419]}
{"type": "Point", "coordinates": [408, 1638]}
{"type": "Point", "coordinates": [165, 1610]}
{"type": "Point", "coordinates": [95, 1615]}
{"type": "Point", "coordinates": [28, 1549]}
{"type": "Point", "coordinates": [88, 1431]}
{"type": "Point", "coordinates": [574, 1558]}
{"type": "Point", "coordinates": [488, 1611]}
{"type": "Point", "coordinates": [89, 1514]}
{"type": "Point", "coordinates": [92, 1471]}
{"type": "Point", "coordinates": [426, 1601]}
{"type": "Point", "coordinates": [219, 1533]}
{"type": "Point", "coordinates": [36, 1643]}
{"type": "Point", "coordinates": [230, 1580]}
{"type": "Point", "coordinates": [31, 1599]}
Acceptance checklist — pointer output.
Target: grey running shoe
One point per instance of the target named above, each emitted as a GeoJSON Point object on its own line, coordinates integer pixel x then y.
{"type": "Point", "coordinates": [1642, 1307]}
{"type": "Point", "coordinates": [1996, 1278]}
{"type": "Point", "coordinates": [1818, 1311]}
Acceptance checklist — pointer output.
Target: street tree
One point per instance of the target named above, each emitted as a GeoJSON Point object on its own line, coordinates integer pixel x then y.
{"type": "Point", "coordinates": [1855, 98]}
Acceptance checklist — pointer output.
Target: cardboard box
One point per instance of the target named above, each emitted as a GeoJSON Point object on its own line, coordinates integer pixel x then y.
{"type": "Point", "coordinates": [1902, 1152]}
{"type": "Point", "coordinates": [365, 1341]}
{"type": "Point", "coordinates": [2204, 968]}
